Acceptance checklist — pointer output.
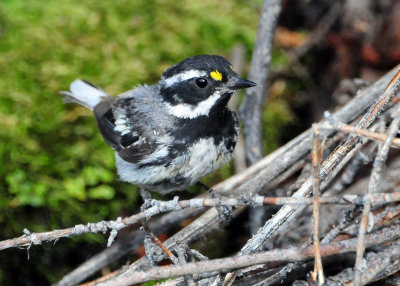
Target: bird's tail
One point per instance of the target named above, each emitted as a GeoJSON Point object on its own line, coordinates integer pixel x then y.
{"type": "Point", "coordinates": [84, 93]}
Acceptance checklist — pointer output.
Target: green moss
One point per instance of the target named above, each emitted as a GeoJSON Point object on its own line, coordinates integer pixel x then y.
{"type": "Point", "coordinates": [45, 45]}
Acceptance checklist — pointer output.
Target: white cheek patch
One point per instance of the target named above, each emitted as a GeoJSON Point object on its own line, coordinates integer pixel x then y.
{"type": "Point", "coordinates": [183, 76]}
{"type": "Point", "coordinates": [184, 110]}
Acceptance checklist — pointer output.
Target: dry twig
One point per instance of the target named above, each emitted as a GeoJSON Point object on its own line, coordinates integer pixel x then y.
{"type": "Point", "coordinates": [226, 264]}
{"type": "Point", "coordinates": [316, 160]}
{"type": "Point", "coordinates": [372, 188]}
{"type": "Point", "coordinates": [251, 109]}
{"type": "Point", "coordinates": [381, 137]}
{"type": "Point", "coordinates": [246, 200]}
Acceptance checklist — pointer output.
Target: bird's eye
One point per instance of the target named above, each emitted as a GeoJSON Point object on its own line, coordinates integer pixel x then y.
{"type": "Point", "coordinates": [201, 82]}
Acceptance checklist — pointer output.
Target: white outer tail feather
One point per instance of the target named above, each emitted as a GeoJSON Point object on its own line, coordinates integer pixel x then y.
{"type": "Point", "coordinates": [85, 94]}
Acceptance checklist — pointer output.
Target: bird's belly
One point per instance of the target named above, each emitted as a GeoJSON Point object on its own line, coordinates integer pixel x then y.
{"type": "Point", "coordinates": [200, 159]}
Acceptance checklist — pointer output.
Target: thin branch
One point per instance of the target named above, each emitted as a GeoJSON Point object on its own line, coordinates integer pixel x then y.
{"type": "Point", "coordinates": [392, 89]}
{"type": "Point", "coordinates": [164, 206]}
{"type": "Point", "coordinates": [226, 264]}
{"type": "Point", "coordinates": [37, 238]}
{"type": "Point", "coordinates": [126, 244]}
{"type": "Point", "coordinates": [316, 160]}
{"type": "Point", "coordinates": [381, 137]}
{"type": "Point", "coordinates": [251, 109]}
{"type": "Point", "coordinates": [372, 188]}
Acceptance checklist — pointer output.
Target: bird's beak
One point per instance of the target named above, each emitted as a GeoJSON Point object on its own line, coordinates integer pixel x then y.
{"type": "Point", "coordinates": [239, 83]}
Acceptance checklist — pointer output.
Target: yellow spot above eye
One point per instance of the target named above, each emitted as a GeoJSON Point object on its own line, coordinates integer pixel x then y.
{"type": "Point", "coordinates": [216, 75]}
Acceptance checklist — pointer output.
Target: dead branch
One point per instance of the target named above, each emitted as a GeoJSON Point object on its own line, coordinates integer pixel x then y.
{"type": "Point", "coordinates": [165, 206]}
{"type": "Point", "coordinates": [226, 264]}
{"type": "Point", "coordinates": [372, 188]}
{"type": "Point", "coordinates": [251, 109]}
{"type": "Point", "coordinates": [32, 238]}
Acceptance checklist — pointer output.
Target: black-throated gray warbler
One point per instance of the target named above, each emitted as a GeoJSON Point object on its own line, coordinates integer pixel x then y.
{"type": "Point", "coordinates": [169, 135]}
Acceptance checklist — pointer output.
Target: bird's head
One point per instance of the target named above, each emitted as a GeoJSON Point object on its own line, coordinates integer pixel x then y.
{"type": "Point", "coordinates": [197, 84]}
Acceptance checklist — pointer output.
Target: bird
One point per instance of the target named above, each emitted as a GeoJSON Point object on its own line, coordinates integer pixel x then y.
{"type": "Point", "coordinates": [168, 136]}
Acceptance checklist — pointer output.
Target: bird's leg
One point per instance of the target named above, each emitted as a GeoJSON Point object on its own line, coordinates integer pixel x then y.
{"type": "Point", "coordinates": [150, 236]}
{"type": "Point", "coordinates": [185, 254]}
{"type": "Point", "coordinates": [146, 196]}
{"type": "Point", "coordinates": [152, 239]}
{"type": "Point", "coordinates": [224, 212]}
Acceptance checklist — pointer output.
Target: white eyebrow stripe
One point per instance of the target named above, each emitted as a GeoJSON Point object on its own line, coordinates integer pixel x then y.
{"type": "Point", "coordinates": [183, 76]}
{"type": "Point", "coordinates": [184, 110]}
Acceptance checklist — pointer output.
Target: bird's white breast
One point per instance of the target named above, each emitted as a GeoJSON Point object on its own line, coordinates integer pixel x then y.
{"type": "Point", "coordinates": [200, 159]}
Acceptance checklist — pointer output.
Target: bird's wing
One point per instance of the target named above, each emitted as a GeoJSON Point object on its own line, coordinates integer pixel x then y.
{"type": "Point", "coordinates": [122, 127]}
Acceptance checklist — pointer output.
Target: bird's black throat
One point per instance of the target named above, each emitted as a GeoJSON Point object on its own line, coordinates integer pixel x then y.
{"type": "Point", "coordinates": [220, 124]}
